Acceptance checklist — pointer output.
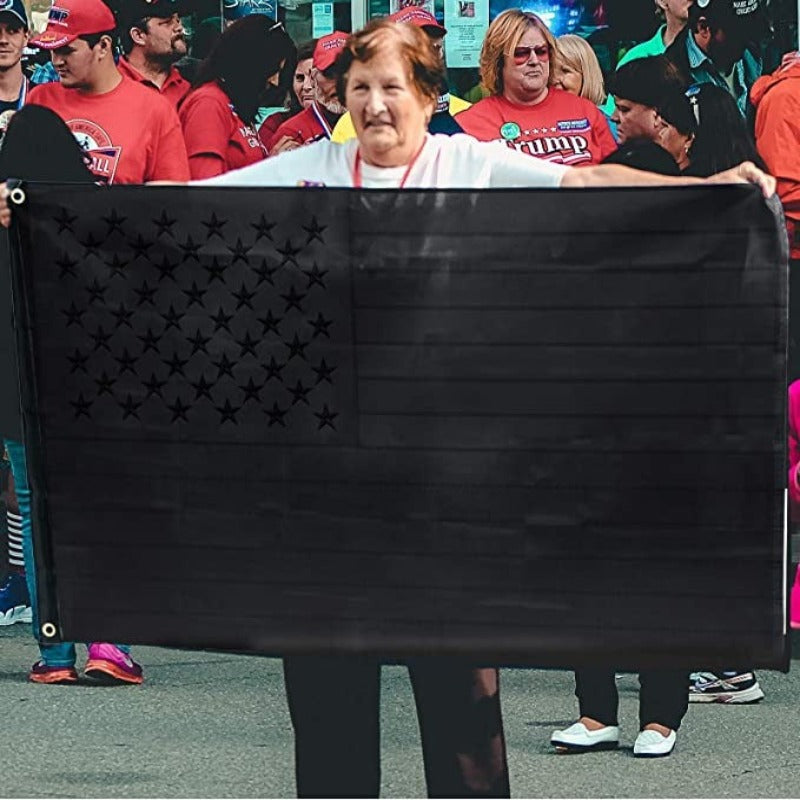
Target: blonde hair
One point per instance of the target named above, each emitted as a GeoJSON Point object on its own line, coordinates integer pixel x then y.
{"type": "Point", "coordinates": [578, 55]}
{"type": "Point", "coordinates": [503, 36]}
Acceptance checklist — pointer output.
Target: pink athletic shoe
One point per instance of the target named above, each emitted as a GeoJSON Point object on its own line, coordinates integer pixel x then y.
{"type": "Point", "coordinates": [794, 602]}
{"type": "Point", "coordinates": [109, 664]}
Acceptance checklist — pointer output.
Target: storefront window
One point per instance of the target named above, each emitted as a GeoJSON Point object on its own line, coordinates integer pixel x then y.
{"type": "Point", "coordinates": [303, 19]}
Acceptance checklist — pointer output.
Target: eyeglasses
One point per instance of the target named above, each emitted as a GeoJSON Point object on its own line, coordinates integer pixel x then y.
{"type": "Point", "coordinates": [694, 101]}
{"type": "Point", "coordinates": [522, 55]}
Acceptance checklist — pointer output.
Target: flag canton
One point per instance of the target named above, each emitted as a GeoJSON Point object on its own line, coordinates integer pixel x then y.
{"type": "Point", "coordinates": [185, 316]}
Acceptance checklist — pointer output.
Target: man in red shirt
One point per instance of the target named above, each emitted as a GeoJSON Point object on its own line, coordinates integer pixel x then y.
{"type": "Point", "coordinates": [130, 134]}
{"type": "Point", "coordinates": [153, 39]}
{"type": "Point", "coordinates": [320, 118]}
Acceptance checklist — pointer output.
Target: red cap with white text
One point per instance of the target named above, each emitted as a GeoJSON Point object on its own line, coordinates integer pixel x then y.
{"type": "Point", "coordinates": [414, 15]}
{"type": "Point", "coordinates": [69, 19]}
{"type": "Point", "coordinates": [327, 50]}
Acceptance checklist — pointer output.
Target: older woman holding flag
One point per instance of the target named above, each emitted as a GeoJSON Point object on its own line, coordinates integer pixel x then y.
{"type": "Point", "coordinates": [389, 79]}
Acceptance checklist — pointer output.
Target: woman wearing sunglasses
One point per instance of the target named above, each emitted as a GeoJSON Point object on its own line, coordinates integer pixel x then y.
{"type": "Point", "coordinates": [526, 110]}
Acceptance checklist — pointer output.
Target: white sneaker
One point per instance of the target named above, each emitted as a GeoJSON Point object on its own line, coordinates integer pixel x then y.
{"type": "Point", "coordinates": [651, 744]}
{"type": "Point", "coordinates": [579, 739]}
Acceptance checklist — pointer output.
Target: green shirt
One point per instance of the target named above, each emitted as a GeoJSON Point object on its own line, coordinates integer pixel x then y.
{"type": "Point", "coordinates": [652, 47]}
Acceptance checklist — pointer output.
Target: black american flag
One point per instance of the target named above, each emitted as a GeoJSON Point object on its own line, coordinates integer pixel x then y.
{"type": "Point", "coordinates": [539, 427]}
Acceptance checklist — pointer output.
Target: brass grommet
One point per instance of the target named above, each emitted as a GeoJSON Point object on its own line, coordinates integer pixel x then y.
{"type": "Point", "coordinates": [48, 630]}
{"type": "Point", "coordinates": [17, 196]}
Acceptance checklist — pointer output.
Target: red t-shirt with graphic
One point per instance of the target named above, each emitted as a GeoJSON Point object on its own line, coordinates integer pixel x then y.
{"type": "Point", "coordinates": [217, 139]}
{"type": "Point", "coordinates": [130, 133]}
{"type": "Point", "coordinates": [563, 128]}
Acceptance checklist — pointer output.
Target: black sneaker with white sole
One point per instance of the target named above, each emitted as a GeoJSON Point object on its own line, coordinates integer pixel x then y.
{"type": "Point", "coordinates": [727, 687]}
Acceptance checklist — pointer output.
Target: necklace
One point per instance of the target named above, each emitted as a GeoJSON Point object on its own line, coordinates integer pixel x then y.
{"type": "Point", "coordinates": [357, 167]}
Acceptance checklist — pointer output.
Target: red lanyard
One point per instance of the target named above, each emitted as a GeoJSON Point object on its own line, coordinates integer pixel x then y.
{"type": "Point", "coordinates": [357, 167]}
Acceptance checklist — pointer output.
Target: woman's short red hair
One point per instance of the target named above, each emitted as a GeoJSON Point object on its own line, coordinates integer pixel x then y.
{"type": "Point", "coordinates": [377, 36]}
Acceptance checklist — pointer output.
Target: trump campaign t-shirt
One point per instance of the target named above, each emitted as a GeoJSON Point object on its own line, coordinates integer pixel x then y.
{"type": "Point", "coordinates": [563, 128]}
{"type": "Point", "coordinates": [444, 162]}
{"type": "Point", "coordinates": [131, 134]}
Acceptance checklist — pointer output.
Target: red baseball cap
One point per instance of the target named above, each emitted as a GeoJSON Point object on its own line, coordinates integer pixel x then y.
{"type": "Point", "coordinates": [327, 50]}
{"type": "Point", "coordinates": [69, 19]}
{"type": "Point", "coordinates": [414, 15]}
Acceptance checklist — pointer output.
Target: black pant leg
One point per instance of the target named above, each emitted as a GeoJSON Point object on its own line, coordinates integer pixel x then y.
{"type": "Point", "coordinates": [334, 706]}
{"type": "Point", "coordinates": [596, 690]}
{"type": "Point", "coordinates": [461, 725]}
{"type": "Point", "coordinates": [663, 697]}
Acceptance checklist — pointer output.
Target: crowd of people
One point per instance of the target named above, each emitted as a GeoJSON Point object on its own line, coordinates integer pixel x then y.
{"type": "Point", "coordinates": [372, 109]}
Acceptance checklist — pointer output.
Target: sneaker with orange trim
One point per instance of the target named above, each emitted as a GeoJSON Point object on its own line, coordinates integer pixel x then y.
{"type": "Point", "coordinates": [42, 673]}
{"type": "Point", "coordinates": [108, 664]}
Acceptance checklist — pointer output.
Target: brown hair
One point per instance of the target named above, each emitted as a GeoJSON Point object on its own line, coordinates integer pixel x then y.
{"type": "Point", "coordinates": [503, 36]}
{"type": "Point", "coordinates": [424, 65]}
{"type": "Point", "coordinates": [577, 54]}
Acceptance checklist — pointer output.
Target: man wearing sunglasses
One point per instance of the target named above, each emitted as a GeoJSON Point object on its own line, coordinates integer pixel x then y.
{"type": "Point", "coordinates": [518, 64]}
{"type": "Point", "coordinates": [717, 46]}
{"type": "Point", "coordinates": [153, 39]}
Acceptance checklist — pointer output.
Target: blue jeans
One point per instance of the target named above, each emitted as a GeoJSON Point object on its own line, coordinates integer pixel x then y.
{"type": "Point", "coordinates": [54, 655]}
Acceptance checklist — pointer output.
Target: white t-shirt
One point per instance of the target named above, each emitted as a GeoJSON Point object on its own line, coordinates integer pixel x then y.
{"type": "Point", "coordinates": [445, 162]}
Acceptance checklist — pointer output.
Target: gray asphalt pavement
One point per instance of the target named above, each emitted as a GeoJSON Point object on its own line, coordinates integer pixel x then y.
{"type": "Point", "coordinates": [216, 725]}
